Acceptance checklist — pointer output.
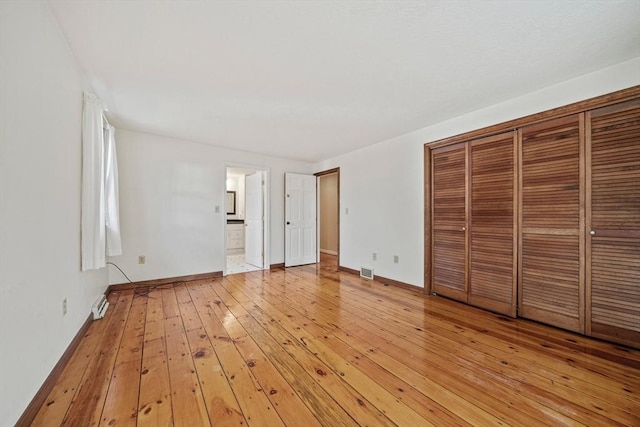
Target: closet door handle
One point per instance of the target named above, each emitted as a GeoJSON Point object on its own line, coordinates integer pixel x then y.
{"type": "Point", "coordinates": [464, 229]}
{"type": "Point", "coordinates": [592, 232]}
{"type": "Point", "coordinates": [288, 223]}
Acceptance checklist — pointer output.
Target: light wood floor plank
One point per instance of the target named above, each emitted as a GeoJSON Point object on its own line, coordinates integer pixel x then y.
{"type": "Point", "coordinates": [391, 329]}
{"type": "Point", "coordinates": [88, 402]}
{"type": "Point", "coordinates": [352, 402]}
{"type": "Point", "coordinates": [187, 399]}
{"type": "Point", "coordinates": [326, 410]}
{"type": "Point", "coordinates": [57, 403]}
{"type": "Point", "coordinates": [154, 400]}
{"type": "Point", "coordinates": [532, 335]}
{"type": "Point", "coordinates": [221, 403]}
{"type": "Point", "coordinates": [589, 384]}
{"type": "Point", "coordinates": [311, 346]}
{"type": "Point", "coordinates": [280, 393]}
{"type": "Point", "coordinates": [586, 416]}
{"type": "Point", "coordinates": [121, 402]}
{"type": "Point", "coordinates": [250, 395]}
{"type": "Point", "coordinates": [442, 398]}
{"type": "Point", "coordinates": [449, 398]}
{"type": "Point", "coordinates": [389, 404]}
{"type": "Point", "coordinates": [393, 408]}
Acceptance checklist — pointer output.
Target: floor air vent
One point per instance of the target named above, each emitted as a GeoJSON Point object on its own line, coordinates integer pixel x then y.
{"type": "Point", "coordinates": [99, 308]}
{"type": "Point", "coordinates": [366, 273]}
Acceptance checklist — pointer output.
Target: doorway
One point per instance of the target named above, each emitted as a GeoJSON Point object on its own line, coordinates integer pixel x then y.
{"type": "Point", "coordinates": [329, 218]}
{"type": "Point", "coordinates": [246, 236]}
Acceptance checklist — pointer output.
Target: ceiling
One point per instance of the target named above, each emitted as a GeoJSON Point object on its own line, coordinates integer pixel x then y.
{"type": "Point", "coordinates": [310, 80]}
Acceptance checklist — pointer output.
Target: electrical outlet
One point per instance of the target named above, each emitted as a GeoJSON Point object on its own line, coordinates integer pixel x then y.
{"type": "Point", "coordinates": [374, 256]}
{"type": "Point", "coordinates": [217, 209]}
{"type": "Point", "coordinates": [396, 259]}
{"type": "Point", "coordinates": [346, 211]}
{"type": "Point", "coordinates": [64, 307]}
{"type": "Point", "coordinates": [142, 259]}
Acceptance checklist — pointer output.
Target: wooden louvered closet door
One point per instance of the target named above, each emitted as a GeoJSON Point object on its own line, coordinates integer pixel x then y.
{"type": "Point", "coordinates": [448, 204]}
{"type": "Point", "coordinates": [613, 223]}
{"type": "Point", "coordinates": [551, 273]}
{"type": "Point", "coordinates": [493, 233]}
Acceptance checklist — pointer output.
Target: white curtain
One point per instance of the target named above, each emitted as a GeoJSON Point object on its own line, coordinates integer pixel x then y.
{"type": "Point", "coordinates": [93, 185]}
{"type": "Point", "coordinates": [112, 215]}
{"type": "Point", "coordinates": [100, 210]}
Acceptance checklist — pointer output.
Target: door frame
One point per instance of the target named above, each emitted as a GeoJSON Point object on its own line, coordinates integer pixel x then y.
{"type": "Point", "coordinates": [266, 210]}
{"type": "Point", "coordinates": [318, 175]}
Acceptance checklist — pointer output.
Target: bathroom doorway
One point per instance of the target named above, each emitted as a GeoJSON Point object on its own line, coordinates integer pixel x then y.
{"type": "Point", "coordinates": [246, 230]}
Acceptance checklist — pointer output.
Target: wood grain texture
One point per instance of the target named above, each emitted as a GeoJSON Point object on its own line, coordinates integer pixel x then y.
{"type": "Point", "coordinates": [90, 393]}
{"type": "Point", "coordinates": [473, 222]}
{"type": "Point", "coordinates": [56, 393]}
{"type": "Point", "coordinates": [613, 223]}
{"type": "Point", "coordinates": [552, 255]}
{"type": "Point", "coordinates": [449, 222]}
{"type": "Point", "coordinates": [154, 400]}
{"type": "Point", "coordinates": [315, 346]}
{"type": "Point", "coordinates": [428, 225]}
{"type": "Point", "coordinates": [576, 218]}
{"type": "Point", "coordinates": [492, 252]}
{"type": "Point", "coordinates": [121, 402]}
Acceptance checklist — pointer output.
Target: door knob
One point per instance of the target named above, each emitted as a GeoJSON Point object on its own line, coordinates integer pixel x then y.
{"type": "Point", "coordinates": [288, 223]}
{"type": "Point", "coordinates": [592, 232]}
{"type": "Point", "coordinates": [464, 228]}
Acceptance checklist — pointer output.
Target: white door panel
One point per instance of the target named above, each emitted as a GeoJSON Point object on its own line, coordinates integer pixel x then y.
{"type": "Point", "coordinates": [254, 222]}
{"type": "Point", "coordinates": [300, 219]}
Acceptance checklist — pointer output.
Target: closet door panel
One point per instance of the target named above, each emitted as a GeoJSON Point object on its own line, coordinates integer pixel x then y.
{"type": "Point", "coordinates": [449, 176]}
{"type": "Point", "coordinates": [551, 287]}
{"type": "Point", "coordinates": [550, 273]}
{"type": "Point", "coordinates": [449, 267]}
{"type": "Point", "coordinates": [492, 224]}
{"type": "Point", "coordinates": [492, 270]}
{"type": "Point", "coordinates": [613, 223]}
{"type": "Point", "coordinates": [615, 297]}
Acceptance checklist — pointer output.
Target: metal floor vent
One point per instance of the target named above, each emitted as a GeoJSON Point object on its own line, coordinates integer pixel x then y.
{"type": "Point", "coordinates": [366, 273]}
{"type": "Point", "coordinates": [99, 308]}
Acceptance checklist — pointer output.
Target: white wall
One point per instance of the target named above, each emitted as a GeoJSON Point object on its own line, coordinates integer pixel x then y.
{"type": "Point", "coordinates": [40, 157]}
{"type": "Point", "coordinates": [381, 186]}
{"type": "Point", "coordinates": [168, 192]}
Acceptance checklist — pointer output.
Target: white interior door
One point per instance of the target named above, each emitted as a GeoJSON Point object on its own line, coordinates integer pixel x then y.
{"type": "Point", "coordinates": [300, 219]}
{"type": "Point", "coordinates": [254, 219]}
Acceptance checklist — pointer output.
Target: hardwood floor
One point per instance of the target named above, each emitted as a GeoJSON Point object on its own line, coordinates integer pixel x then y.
{"type": "Point", "coordinates": [311, 346]}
